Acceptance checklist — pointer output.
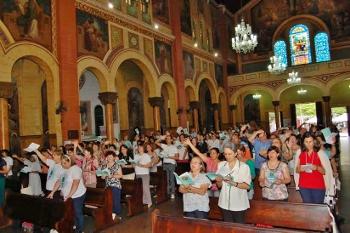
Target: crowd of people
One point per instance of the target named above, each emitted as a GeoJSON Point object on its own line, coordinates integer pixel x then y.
{"type": "Point", "coordinates": [223, 164]}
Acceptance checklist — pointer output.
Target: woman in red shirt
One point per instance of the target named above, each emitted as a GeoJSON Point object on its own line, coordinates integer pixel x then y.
{"type": "Point", "coordinates": [311, 181]}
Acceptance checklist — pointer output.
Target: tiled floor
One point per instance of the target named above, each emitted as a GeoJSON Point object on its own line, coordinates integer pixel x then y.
{"type": "Point", "coordinates": [142, 223]}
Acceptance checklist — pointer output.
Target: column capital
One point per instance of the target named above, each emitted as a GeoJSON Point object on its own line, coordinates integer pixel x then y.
{"type": "Point", "coordinates": [215, 106]}
{"type": "Point", "coordinates": [194, 104]}
{"type": "Point", "coordinates": [326, 98]}
{"type": "Point", "coordinates": [233, 107]}
{"type": "Point", "coordinates": [6, 90]}
{"type": "Point", "coordinates": [276, 103]}
{"type": "Point", "coordinates": [108, 97]}
{"type": "Point", "coordinates": [156, 101]}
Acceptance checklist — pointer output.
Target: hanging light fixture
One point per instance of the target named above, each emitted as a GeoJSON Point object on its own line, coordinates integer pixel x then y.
{"type": "Point", "coordinates": [276, 66]}
{"type": "Point", "coordinates": [301, 91]}
{"type": "Point", "coordinates": [293, 78]}
{"type": "Point", "coordinates": [256, 96]}
{"type": "Point", "coordinates": [244, 41]}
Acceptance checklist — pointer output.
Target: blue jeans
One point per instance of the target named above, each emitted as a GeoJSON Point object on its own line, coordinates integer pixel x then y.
{"type": "Point", "coordinates": [315, 196]}
{"type": "Point", "coordinates": [196, 214]}
{"type": "Point", "coordinates": [169, 168]}
{"type": "Point", "coordinates": [78, 205]}
{"type": "Point", "coordinates": [116, 192]}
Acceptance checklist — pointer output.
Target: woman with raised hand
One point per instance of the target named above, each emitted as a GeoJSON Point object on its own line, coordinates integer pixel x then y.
{"type": "Point", "coordinates": [89, 166]}
{"type": "Point", "coordinates": [212, 164]}
{"type": "Point", "coordinates": [234, 179]}
{"type": "Point", "coordinates": [72, 186]}
{"type": "Point", "coordinates": [113, 181]}
{"type": "Point", "coordinates": [274, 175]}
{"type": "Point", "coordinates": [195, 196]}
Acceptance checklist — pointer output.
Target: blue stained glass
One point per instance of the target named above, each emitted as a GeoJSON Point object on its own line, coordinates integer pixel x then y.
{"type": "Point", "coordinates": [280, 51]}
{"type": "Point", "coordinates": [322, 47]}
{"type": "Point", "coordinates": [300, 45]}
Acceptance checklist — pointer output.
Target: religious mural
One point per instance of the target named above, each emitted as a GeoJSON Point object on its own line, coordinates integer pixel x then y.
{"type": "Point", "coordinates": [28, 20]}
{"type": "Point", "coordinates": [133, 40]}
{"type": "Point", "coordinates": [186, 17]}
{"type": "Point", "coordinates": [161, 10]}
{"type": "Point", "coordinates": [92, 35]}
{"type": "Point", "coordinates": [188, 64]}
{"type": "Point", "coordinates": [268, 14]}
{"type": "Point", "coordinates": [251, 109]}
{"type": "Point", "coordinates": [219, 75]}
{"type": "Point", "coordinates": [163, 57]}
{"type": "Point", "coordinates": [116, 37]}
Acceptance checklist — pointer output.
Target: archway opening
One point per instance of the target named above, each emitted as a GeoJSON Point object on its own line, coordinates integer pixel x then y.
{"type": "Point", "coordinates": [206, 117]}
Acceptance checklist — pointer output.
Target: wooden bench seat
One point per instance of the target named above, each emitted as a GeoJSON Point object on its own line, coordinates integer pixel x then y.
{"type": "Point", "coordinates": [132, 195]}
{"type": "Point", "coordinates": [99, 204]}
{"type": "Point", "coordinates": [159, 181]}
{"type": "Point", "coordinates": [40, 211]}
{"type": "Point", "coordinates": [178, 224]}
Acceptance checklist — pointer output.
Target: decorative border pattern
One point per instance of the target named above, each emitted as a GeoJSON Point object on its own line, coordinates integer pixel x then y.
{"type": "Point", "coordinates": [54, 27]}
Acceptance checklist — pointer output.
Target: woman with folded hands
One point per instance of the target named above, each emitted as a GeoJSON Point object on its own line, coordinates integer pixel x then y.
{"type": "Point", "coordinates": [195, 196]}
{"type": "Point", "coordinates": [274, 175]}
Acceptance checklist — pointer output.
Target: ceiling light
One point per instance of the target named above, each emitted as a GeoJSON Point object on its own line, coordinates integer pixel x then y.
{"type": "Point", "coordinates": [110, 5]}
{"type": "Point", "coordinates": [156, 26]}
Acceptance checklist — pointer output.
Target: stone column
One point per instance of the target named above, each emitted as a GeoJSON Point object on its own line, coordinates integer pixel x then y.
{"type": "Point", "coordinates": [108, 99]}
{"type": "Point", "coordinates": [194, 105]}
{"type": "Point", "coordinates": [327, 110]}
{"type": "Point", "coordinates": [6, 92]}
{"type": "Point", "coordinates": [216, 115]}
{"type": "Point", "coordinates": [156, 103]}
{"type": "Point", "coordinates": [233, 108]}
{"type": "Point", "coordinates": [276, 107]}
{"type": "Point", "coordinates": [178, 68]}
{"type": "Point", "coordinates": [67, 59]}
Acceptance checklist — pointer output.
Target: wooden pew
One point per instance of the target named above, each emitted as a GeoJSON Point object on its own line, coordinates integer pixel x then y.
{"type": "Point", "coordinates": [301, 216]}
{"type": "Point", "coordinates": [159, 180]}
{"type": "Point", "coordinates": [176, 224]}
{"type": "Point", "coordinates": [40, 211]}
{"type": "Point", "coordinates": [132, 195]}
{"type": "Point", "coordinates": [99, 204]}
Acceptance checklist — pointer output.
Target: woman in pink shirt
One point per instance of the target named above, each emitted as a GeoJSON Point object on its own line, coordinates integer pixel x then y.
{"type": "Point", "coordinates": [212, 164]}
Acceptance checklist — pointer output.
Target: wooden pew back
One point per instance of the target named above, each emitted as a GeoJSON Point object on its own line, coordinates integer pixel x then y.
{"type": "Point", "coordinates": [289, 215]}
{"type": "Point", "coordinates": [132, 192]}
{"type": "Point", "coordinates": [40, 211]}
{"type": "Point", "coordinates": [159, 180]}
{"type": "Point", "coordinates": [177, 224]}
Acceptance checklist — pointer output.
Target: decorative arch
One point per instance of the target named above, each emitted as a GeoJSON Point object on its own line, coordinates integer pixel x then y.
{"type": "Point", "coordinates": [170, 88]}
{"type": "Point", "coordinates": [335, 80]}
{"type": "Point", "coordinates": [7, 38]}
{"type": "Point", "coordinates": [211, 85]}
{"type": "Point", "coordinates": [192, 93]}
{"type": "Point", "coordinates": [245, 89]}
{"type": "Point", "coordinates": [306, 81]}
{"type": "Point", "coordinates": [99, 69]}
{"type": "Point", "coordinates": [223, 106]}
{"type": "Point", "coordinates": [143, 62]}
{"type": "Point", "coordinates": [299, 19]}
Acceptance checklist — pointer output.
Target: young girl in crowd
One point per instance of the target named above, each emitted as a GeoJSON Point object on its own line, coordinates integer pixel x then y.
{"type": "Point", "coordinates": [211, 162]}
{"type": "Point", "coordinates": [89, 166]}
{"type": "Point", "coordinates": [274, 175]}
{"type": "Point", "coordinates": [234, 178]}
{"type": "Point", "coordinates": [72, 186]}
{"type": "Point", "coordinates": [113, 181]}
{"type": "Point", "coordinates": [195, 196]}
{"type": "Point", "coordinates": [143, 164]}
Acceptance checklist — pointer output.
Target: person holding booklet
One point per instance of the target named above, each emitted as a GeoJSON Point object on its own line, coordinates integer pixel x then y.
{"type": "Point", "coordinates": [89, 167]}
{"type": "Point", "coordinates": [195, 196]}
{"type": "Point", "coordinates": [211, 162]}
{"type": "Point", "coordinates": [113, 181]}
{"type": "Point", "coordinates": [274, 175]}
{"type": "Point", "coordinates": [234, 179]}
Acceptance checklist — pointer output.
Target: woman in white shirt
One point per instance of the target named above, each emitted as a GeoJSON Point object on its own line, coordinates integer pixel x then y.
{"type": "Point", "coordinates": [234, 179]}
{"type": "Point", "coordinates": [5, 154]}
{"type": "Point", "coordinates": [195, 196]}
{"type": "Point", "coordinates": [72, 186]}
{"type": "Point", "coordinates": [143, 164]}
{"type": "Point", "coordinates": [55, 171]}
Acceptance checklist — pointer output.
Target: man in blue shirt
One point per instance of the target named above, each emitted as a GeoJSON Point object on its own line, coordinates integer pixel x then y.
{"type": "Point", "coordinates": [260, 143]}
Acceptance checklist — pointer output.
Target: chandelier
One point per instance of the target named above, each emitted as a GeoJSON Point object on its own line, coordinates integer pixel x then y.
{"type": "Point", "coordinates": [276, 66]}
{"type": "Point", "coordinates": [244, 41]}
{"type": "Point", "coordinates": [256, 96]}
{"type": "Point", "coordinates": [293, 78]}
{"type": "Point", "coordinates": [301, 91]}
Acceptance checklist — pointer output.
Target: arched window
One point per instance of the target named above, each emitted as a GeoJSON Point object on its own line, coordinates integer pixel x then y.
{"type": "Point", "coordinates": [280, 51]}
{"type": "Point", "coordinates": [299, 40]}
{"type": "Point", "coordinates": [322, 47]}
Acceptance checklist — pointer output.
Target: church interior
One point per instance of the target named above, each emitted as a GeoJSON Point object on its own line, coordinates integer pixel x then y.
{"type": "Point", "coordinates": [117, 72]}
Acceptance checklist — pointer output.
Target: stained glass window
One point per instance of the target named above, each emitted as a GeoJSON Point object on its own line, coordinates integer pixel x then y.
{"type": "Point", "coordinates": [300, 45]}
{"type": "Point", "coordinates": [280, 51]}
{"type": "Point", "coordinates": [322, 47]}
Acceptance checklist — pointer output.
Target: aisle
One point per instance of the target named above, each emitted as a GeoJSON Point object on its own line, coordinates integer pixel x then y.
{"type": "Point", "coordinates": [344, 202]}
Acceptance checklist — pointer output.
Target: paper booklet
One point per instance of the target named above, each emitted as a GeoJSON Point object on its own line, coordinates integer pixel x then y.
{"type": "Point", "coordinates": [134, 161]}
{"type": "Point", "coordinates": [122, 162]}
{"type": "Point", "coordinates": [26, 169]}
{"type": "Point", "coordinates": [32, 147]}
{"type": "Point", "coordinates": [104, 172]}
{"type": "Point", "coordinates": [184, 179]}
{"type": "Point", "coordinates": [212, 175]}
{"type": "Point", "coordinates": [328, 135]}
